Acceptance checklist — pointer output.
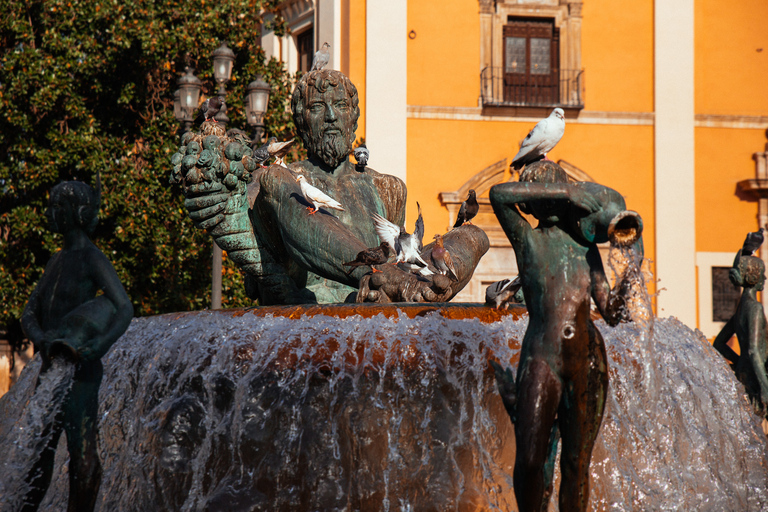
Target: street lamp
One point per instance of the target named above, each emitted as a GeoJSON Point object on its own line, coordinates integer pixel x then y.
{"type": "Point", "coordinates": [223, 58]}
{"type": "Point", "coordinates": [256, 105]}
{"type": "Point", "coordinates": [186, 97]}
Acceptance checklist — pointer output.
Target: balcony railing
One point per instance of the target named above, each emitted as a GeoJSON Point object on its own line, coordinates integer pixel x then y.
{"type": "Point", "coordinates": [562, 88]}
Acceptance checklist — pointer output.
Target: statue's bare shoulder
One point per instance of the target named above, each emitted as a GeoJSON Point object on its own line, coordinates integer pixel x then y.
{"type": "Point", "coordinates": [393, 193]}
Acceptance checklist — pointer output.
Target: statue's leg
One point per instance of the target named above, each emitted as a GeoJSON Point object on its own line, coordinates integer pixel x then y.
{"type": "Point", "coordinates": [580, 416]}
{"type": "Point", "coordinates": [539, 392]}
{"type": "Point", "coordinates": [39, 477]}
{"type": "Point", "coordinates": [80, 422]}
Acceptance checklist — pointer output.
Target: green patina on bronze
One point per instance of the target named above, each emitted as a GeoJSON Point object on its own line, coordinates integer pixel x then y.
{"type": "Point", "coordinates": [562, 376]}
{"type": "Point", "coordinates": [77, 310]}
{"type": "Point", "coordinates": [749, 325]}
{"type": "Point", "coordinates": [259, 215]}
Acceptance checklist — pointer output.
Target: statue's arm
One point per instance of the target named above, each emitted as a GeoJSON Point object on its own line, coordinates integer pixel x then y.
{"type": "Point", "coordinates": [757, 339]}
{"type": "Point", "coordinates": [504, 199]}
{"type": "Point", "coordinates": [611, 303]}
{"type": "Point", "coordinates": [721, 340]}
{"type": "Point", "coordinates": [30, 318]}
{"type": "Point", "coordinates": [106, 279]}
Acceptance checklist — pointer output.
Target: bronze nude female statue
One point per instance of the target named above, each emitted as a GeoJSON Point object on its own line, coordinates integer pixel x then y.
{"type": "Point", "coordinates": [749, 325]}
{"type": "Point", "coordinates": [562, 377]}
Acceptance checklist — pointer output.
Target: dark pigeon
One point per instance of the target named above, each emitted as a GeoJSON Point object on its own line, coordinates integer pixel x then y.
{"type": "Point", "coordinates": [468, 210]}
{"type": "Point", "coordinates": [502, 293]}
{"type": "Point", "coordinates": [370, 257]}
{"type": "Point", "coordinates": [210, 108]}
{"type": "Point", "coordinates": [752, 243]}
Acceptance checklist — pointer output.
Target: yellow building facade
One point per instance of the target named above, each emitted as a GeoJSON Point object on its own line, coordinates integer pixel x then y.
{"type": "Point", "coordinates": [667, 102]}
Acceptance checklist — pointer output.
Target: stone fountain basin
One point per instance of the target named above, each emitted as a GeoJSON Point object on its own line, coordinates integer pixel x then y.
{"type": "Point", "coordinates": [393, 407]}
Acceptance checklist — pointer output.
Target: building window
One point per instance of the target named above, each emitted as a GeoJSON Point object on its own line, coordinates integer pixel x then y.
{"type": "Point", "coordinates": [305, 47]}
{"type": "Point", "coordinates": [530, 54]}
{"type": "Point", "coordinates": [725, 295]}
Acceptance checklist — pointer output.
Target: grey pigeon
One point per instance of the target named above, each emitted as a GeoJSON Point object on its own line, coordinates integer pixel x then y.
{"type": "Point", "coordinates": [442, 260]}
{"type": "Point", "coordinates": [540, 141]}
{"type": "Point", "coordinates": [752, 243]}
{"type": "Point", "coordinates": [407, 247]}
{"type": "Point", "coordinates": [370, 257]}
{"type": "Point", "coordinates": [468, 209]}
{"type": "Point", "coordinates": [261, 153]}
{"type": "Point", "coordinates": [279, 149]}
{"type": "Point", "coordinates": [361, 155]}
{"type": "Point", "coordinates": [239, 136]}
{"type": "Point", "coordinates": [210, 108]}
{"type": "Point", "coordinates": [502, 293]}
{"type": "Point", "coordinates": [322, 56]}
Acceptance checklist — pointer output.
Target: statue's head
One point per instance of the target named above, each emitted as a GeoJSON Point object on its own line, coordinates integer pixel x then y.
{"type": "Point", "coordinates": [325, 109]}
{"type": "Point", "coordinates": [749, 272]}
{"type": "Point", "coordinates": [73, 204]}
{"type": "Point", "coordinates": [544, 172]}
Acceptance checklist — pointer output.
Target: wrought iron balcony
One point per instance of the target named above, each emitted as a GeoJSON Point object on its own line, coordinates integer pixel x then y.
{"type": "Point", "coordinates": [561, 88]}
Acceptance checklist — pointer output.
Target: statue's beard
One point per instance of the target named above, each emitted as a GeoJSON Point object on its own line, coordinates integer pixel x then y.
{"type": "Point", "coordinates": [332, 148]}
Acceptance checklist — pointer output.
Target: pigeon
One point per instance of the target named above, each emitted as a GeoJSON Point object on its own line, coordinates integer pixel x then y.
{"type": "Point", "coordinates": [279, 149]}
{"type": "Point", "coordinates": [501, 293]}
{"type": "Point", "coordinates": [468, 210]}
{"type": "Point", "coordinates": [322, 56]}
{"type": "Point", "coordinates": [540, 141]}
{"type": "Point", "coordinates": [505, 380]}
{"type": "Point", "coordinates": [752, 243]}
{"type": "Point", "coordinates": [441, 259]}
{"type": "Point", "coordinates": [370, 257]}
{"type": "Point", "coordinates": [210, 108]}
{"type": "Point", "coordinates": [316, 196]}
{"type": "Point", "coordinates": [361, 155]}
{"type": "Point", "coordinates": [261, 153]}
{"type": "Point", "coordinates": [240, 136]}
{"type": "Point", "coordinates": [407, 247]}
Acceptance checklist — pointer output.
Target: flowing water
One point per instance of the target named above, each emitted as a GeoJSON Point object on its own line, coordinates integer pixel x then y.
{"type": "Point", "coordinates": [222, 411]}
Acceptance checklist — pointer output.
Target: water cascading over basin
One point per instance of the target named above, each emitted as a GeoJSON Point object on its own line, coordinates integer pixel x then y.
{"type": "Point", "coordinates": [366, 407]}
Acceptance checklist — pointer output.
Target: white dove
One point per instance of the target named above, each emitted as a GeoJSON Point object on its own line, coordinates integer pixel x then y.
{"type": "Point", "coordinates": [317, 197]}
{"type": "Point", "coordinates": [540, 141]}
{"type": "Point", "coordinates": [407, 247]}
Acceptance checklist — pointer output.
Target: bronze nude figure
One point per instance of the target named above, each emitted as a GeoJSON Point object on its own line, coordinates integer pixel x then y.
{"type": "Point", "coordinates": [562, 377]}
{"type": "Point", "coordinates": [259, 215]}
{"type": "Point", "coordinates": [65, 318]}
{"type": "Point", "coordinates": [749, 325]}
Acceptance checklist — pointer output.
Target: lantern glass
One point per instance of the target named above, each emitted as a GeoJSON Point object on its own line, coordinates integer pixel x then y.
{"type": "Point", "coordinates": [223, 58]}
{"type": "Point", "coordinates": [190, 94]}
{"type": "Point", "coordinates": [178, 113]}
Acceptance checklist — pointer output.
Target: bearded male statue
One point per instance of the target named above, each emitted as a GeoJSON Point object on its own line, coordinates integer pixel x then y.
{"type": "Point", "coordinates": [260, 217]}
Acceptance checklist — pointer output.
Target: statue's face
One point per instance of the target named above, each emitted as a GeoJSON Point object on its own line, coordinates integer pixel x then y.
{"type": "Point", "coordinates": [59, 213]}
{"type": "Point", "coordinates": [329, 121]}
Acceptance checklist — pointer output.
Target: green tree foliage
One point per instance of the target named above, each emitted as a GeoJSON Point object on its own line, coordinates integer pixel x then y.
{"type": "Point", "coordinates": [87, 86]}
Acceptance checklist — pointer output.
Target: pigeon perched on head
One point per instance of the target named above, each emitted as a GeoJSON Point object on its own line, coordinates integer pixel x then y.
{"type": "Point", "coordinates": [322, 56]}
{"type": "Point", "coordinates": [501, 293]}
{"type": "Point", "coordinates": [442, 260]}
{"type": "Point", "coordinates": [370, 257]}
{"type": "Point", "coordinates": [316, 196]}
{"type": "Point", "coordinates": [468, 210]}
{"type": "Point", "coordinates": [407, 247]}
{"type": "Point", "coordinates": [361, 155]}
{"type": "Point", "coordinates": [279, 149]}
{"type": "Point", "coordinates": [540, 141]}
{"type": "Point", "coordinates": [261, 153]}
{"type": "Point", "coordinates": [210, 108]}
{"type": "Point", "coordinates": [752, 243]}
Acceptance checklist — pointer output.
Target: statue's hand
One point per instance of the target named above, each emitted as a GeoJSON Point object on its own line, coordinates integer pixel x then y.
{"type": "Point", "coordinates": [582, 198]}
{"type": "Point", "coordinates": [395, 285]}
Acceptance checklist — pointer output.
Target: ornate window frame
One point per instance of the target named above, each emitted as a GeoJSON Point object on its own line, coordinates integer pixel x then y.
{"type": "Point", "coordinates": [495, 13]}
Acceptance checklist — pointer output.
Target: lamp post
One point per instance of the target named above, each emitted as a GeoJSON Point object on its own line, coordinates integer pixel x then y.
{"type": "Point", "coordinates": [256, 105]}
{"type": "Point", "coordinates": [185, 102]}
{"type": "Point", "coordinates": [185, 99]}
{"type": "Point", "coordinates": [223, 58]}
